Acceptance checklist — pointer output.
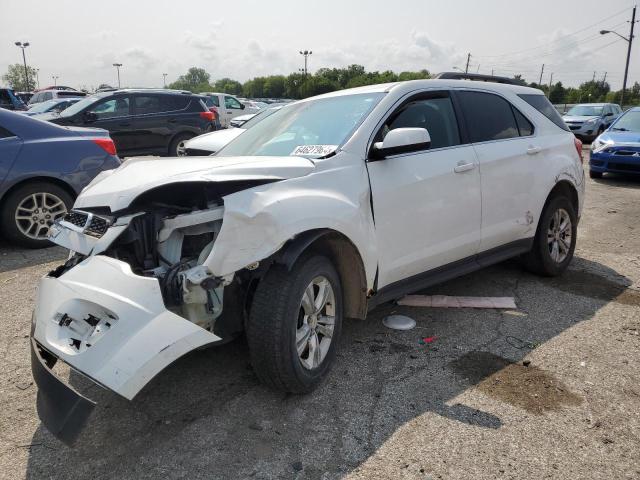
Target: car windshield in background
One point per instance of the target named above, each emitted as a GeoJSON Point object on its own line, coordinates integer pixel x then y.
{"type": "Point", "coordinates": [78, 107]}
{"type": "Point", "coordinates": [629, 122]}
{"type": "Point", "coordinates": [43, 106]}
{"type": "Point", "coordinates": [585, 111]}
{"type": "Point", "coordinates": [322, 125]}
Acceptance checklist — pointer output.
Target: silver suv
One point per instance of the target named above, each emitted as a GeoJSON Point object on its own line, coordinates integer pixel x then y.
{"type": "Point", "coordinates": [588, 120]}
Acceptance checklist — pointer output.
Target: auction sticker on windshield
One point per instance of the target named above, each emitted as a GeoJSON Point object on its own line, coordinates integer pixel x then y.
{"type": "Point", "coordinates": [314, 150]}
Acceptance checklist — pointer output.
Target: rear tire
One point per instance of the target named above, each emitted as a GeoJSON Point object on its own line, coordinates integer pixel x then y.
{"type": "Point", "coordinates": [555, 239]}
{"type": "Point", "coordinates": [292, 348]}
{"type": "Point", "coordinates": [593, 174]}
{"type": "Point", "coordinates": [178, 144]}
{"type": "Point", "coordinates": [27, 213]}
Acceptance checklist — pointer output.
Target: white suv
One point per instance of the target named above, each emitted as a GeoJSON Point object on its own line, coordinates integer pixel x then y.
{"type": "Point", "coordinates": [318, 213]}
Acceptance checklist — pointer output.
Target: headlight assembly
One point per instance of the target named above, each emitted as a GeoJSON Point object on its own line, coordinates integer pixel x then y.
{"type": "Point", "coordinates": [599, 145]}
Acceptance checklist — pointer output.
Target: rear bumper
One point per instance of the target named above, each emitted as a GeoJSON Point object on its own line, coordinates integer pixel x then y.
{"type": "Point", "coordinates": [62, 410]}
{"type": "Point", "coordinates": [605, 162]}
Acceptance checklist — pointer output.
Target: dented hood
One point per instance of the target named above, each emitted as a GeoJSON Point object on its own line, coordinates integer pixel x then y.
{"type": "Point", "coordinates": [117, 188]}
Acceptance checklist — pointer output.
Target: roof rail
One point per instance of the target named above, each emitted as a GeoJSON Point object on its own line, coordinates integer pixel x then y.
{"type": "Point", "coordinates": [478, 77]}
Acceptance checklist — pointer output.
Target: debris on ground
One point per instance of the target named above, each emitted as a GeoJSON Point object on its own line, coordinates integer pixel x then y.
{"type": "Point", "coordinates": [426, 340]}
{"type": "Point", "coordinates": [399, 322]}
{"type": "Point", "coordinates": [447, 301]}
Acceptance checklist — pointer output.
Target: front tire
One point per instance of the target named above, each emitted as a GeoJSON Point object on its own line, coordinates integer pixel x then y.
{"type": "Point", "coordinates": [30, 210]}
{"type": "Point", "coordinates": [177, 148]}
{"type": "Point", "coordinates": [555, 239]}
{"type": "Point", "coordinates": [294, 324]}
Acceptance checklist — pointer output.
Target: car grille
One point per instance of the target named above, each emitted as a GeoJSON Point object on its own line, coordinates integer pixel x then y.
{"type": "Point", "coordinates": [625, 167]}
{"type": "Point", "coordinates": [96, 226]}
{"type": "Point", "coordinates": [575, 127]}
{"type": "Point", "coordinates": [195, 152]}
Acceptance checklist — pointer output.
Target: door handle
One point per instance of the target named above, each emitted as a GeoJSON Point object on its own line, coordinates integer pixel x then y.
{"type": "Point", "coordinates": [463, 167]}
{"type": "Point", "coordinates": [533, 150]}
{"type": "Point", "coordinates": [173, 120]}
{"type": "Point", "coordinates": [124, 124]}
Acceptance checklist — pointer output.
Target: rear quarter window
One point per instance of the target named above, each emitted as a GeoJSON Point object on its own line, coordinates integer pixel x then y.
{"type": "Point", "coordinates": [543, 105]}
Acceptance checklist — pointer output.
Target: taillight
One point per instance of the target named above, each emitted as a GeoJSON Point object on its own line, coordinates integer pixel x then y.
{"type": "Point", "coordinates": [106, 144]}
{"type": "Point", "coordinates": [578, 143]}
{"type": "Point", "coordinates": [207, 115]}
{"type": "Point", "coordinates": [214, 110]}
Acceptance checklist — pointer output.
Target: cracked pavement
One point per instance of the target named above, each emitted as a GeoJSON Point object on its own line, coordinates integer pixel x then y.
{"type": "Point", "coordinates": [464, 405]}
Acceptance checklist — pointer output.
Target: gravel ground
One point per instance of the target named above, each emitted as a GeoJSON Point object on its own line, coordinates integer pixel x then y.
{"type": "Point", "coordinates": [463, 406]}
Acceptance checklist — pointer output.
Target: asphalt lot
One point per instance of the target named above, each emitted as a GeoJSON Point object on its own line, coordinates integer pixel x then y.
{"type": "Point", "coordinates": [463, 406]}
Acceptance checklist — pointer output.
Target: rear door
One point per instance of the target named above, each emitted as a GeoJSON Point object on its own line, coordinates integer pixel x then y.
{"type": "Point", "coordinates": [9, 147]}
{"type": "Point", "coordinates": [507, 148]}
{"type": "Point", "coordinates": [426, 203]}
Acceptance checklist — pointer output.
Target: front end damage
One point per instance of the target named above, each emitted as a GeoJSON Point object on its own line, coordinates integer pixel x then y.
{"type": "Point", "coordinates": [134, 296]}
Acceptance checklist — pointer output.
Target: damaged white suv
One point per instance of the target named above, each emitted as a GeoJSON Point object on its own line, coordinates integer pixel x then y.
{"type": "Point", "coordinates": [318, 213]}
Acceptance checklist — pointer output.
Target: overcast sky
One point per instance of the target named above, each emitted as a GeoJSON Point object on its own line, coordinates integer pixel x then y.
{"type": "Point", "coordinates": [80, 40]}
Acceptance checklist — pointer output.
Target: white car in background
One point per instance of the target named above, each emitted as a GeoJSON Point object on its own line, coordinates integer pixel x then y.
{"type": "Point", "coordinates": [227, 106]}
{"type": "Point", "coordinates": [318, 213]}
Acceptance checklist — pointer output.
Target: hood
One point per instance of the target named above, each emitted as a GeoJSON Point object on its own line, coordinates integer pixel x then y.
{"type": "Point", "coordinates": [621, 138]}
{"type": "Point", "coordinates": [213, 141]}
{"type": "Point", "coordinates": [116, 189]}
{"type": "Point", "coordinates": [578, 118]}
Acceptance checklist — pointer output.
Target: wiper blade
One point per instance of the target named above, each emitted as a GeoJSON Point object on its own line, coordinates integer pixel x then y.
{"type": "Point", "coordinates": [620, 129]}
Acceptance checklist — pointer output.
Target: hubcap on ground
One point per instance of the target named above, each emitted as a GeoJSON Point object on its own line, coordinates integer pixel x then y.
{"type": "Point", "coordinates": [37, 212]}
{"type": "Point", "coordinates": [559, 235]}
{"type": "Point", "coordinates": [316, 322]}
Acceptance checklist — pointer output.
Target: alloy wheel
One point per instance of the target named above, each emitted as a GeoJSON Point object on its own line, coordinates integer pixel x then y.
{"type": "Point", "coordinates": [37, 212]}
{"type": "Point", "coordinates": [316, 322]}
{"type": "Point", "coordinates": [559, 235]}
{"type": "Point", "coordinates": [180, 149]}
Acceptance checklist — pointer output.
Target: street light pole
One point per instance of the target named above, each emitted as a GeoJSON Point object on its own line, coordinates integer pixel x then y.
{"type": "Point", "coordinates": [629, 42]}
{"type": "Point", "coordinates": [164, 79]}
{"type": "Point", "coordinates": [23, 46]}
{"type": "Point", "coordinates": [118, 65]}
{"type": "Point", "coordinates": [38, 77]}
{"type": "Point", "coordinates": [306, 54]}
{"type": "Point", "coordinates": [55, 80]}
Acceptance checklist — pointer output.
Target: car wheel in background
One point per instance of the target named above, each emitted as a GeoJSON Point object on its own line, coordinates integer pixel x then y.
{"type": "Point", "coordinates": [28, 212]}
{"type": "Point", "coordinates": [177, 149]}
{"type": "Point", "coordinates": [593, 174]}
{"type": "Point", "coordinates": [295, 323]}
{"type": "Point", "coordinates": [555, 239]}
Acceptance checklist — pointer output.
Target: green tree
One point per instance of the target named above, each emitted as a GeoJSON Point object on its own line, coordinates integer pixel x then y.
{"type": "Point", "coordinates": [15, 78]}
{"type": "Point", "coordinates": [274, 86]}
{"type": "Point", "coordinates": [557, 93]}
{"type": "Point", "coordinates": [227, 85]}
{"type": "Point", "coordinates": [195, 80]}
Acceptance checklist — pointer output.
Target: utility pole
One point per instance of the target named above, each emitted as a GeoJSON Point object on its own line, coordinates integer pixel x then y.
{"type": "Point", "coordinates": [164, 80]}
{"type": "Point", "coordinates": [118, 65]}
{"type": "Point", "coordinates": [466, 70]}
{"type": "Point", "coordinates": [604, 79]}
{"type": "Point", "coordinates": [38, 77]}
{"type": "Point", "coordinates": [478, 69]}
{"type": "Point", "coordinates": [541, 72]}
{"type": "Point", "coordinates": [23, 46]}
{"type": "Point", "coordinates": [550, 82]}
{"type": "Point", "coordinates": [306, 54]}
{"type": "Point", "coordinates": [593, 79]}
{"type": "Point", "coordinates": [629, 42]}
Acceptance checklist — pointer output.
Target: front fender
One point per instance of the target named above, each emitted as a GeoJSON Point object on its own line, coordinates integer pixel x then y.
{"type": "Point", "coordinates": [259, 221]}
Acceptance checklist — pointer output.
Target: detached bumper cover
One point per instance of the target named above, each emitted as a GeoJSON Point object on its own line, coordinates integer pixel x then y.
{"type": "Point", "coordinates": [62, 410]}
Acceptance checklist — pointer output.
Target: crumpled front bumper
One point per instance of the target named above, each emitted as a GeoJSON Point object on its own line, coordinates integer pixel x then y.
{"type": "Point", "coordinates": [108, 324]}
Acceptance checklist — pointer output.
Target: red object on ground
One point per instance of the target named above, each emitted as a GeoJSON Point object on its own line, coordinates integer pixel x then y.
{"type": "Point", "coordinates": [428, 339]}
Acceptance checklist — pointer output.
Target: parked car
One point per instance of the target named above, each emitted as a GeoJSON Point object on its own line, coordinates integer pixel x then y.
{"type": "Point", "coordinates": [228, 107]}
{"type": "Point", "coordinates": [10, 101]}
{"type": "Point", "coordinates": [43, 167]}
{"type": "Point", "coordinates": [254, 104]}
{"type": "Point", "coordinates": [275, 235]}
{"type": "Point", "coordinates": [617, 150]}
{"type": "Point", "coordinates": [44, 95]}
{"type": "Point", "coordinates": [141, 121]}
{"type": "Point", "coordinates": [56, 106]}
{"type": "Point", "coordinates": [24, 96]}
{"type": "Point", "coordinates": [588, 120]}
{"type": "Point", "coordinates": [212, 142]}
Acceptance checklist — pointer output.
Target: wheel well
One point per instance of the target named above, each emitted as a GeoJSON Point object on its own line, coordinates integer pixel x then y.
{"type": "Point", "coordinates": [55, 181]}
{"type": "Point", "coordinates": [566, 189]}
{"type": "Point", "coordinates": [346, 259]}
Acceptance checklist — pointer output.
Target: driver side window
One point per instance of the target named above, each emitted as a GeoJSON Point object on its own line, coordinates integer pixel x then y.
{"type": "Point", "coordinates": [434, 114]}
{"type": "Point", "coordinates": [230, 102]}
{"type": "Point", "coordinates": [112, 108]}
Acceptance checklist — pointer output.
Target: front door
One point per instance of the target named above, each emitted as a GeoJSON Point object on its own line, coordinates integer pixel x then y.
{"type": "Point", "coordinates": [114, 114]}
{"type": "Point", "coordinates": [232, 108]}
{"type": "Point", "coordinates": [426, 203]}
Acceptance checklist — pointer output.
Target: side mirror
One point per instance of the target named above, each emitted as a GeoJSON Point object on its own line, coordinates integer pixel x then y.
{"type": "Point", "coordinates": [90, 117]}
{"type": "Point", "coordinates": [610, 114]}
{"type": "Point", "coordinates": [242, 106]}
{"type": "Point", "coordinates": [402, 140]}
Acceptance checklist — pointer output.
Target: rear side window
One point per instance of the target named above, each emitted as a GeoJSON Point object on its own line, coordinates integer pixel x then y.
{"type": "Point", "coordinates": [213, 101]}
{"type": "Point", "coordinates": [524, 125]}
{"type": "Point", "coordinates": [63, 93]}
{"type": "Point", "coordinates": [159, 104]}
{"type": "Point", "coordinates": [489, 117]}
{"type": "Point", "coordinates": [540, 103]}
{"type": "Point", "coordinates": [47, 96]}
{"type": "Point", "coordinates": [434, 114]}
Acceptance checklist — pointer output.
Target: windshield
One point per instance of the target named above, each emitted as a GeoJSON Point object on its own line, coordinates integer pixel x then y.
{"type": "Point", "coordinates": [586, 111]}
{"type": "Point", "coordinates": [43, 106]}
{"type": "Point", "coordinates": [324, 124]}
{"type": "Point", "coordinates": [258, 117]}
{"type": "Point", "coordinates": [629, 122]}
{"type": "Point", "coordinates": [78, 107]}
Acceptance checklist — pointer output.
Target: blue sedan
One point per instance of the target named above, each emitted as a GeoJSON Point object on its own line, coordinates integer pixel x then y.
{"type": "Point", "coordinates": [617, 150]}
{"type": "Point", "coordinates": [43, 167]}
